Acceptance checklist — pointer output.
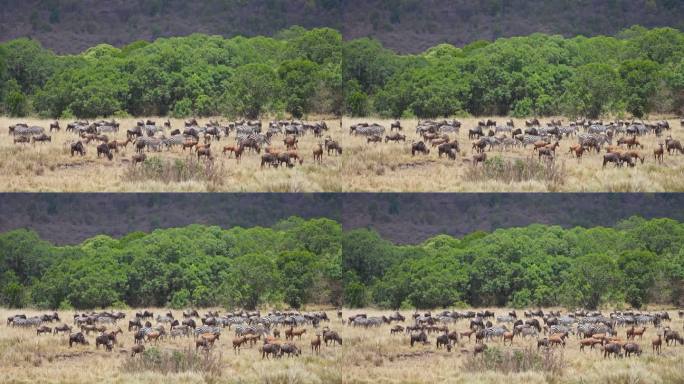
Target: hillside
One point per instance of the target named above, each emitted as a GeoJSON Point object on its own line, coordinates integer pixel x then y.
{"type": "Point", "coordinates": [404, 25]}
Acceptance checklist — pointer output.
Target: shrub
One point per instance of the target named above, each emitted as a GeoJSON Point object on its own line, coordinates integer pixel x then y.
{"type": "Point", "coordinates": [175, 361]}
{"type": "Point", "coordinates": [517, 360]}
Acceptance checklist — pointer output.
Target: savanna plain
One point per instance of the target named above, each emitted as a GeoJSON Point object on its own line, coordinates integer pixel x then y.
{"type": "Point", "coordinates": [367, 355]}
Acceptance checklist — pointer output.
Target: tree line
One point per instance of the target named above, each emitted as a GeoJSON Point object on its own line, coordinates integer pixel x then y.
{"type": "Point", "coordinates": [637, 72]}
{"type": "Point", "coordinates": [299, 72]}
{"type": "Point", "coordinates": [636, 262]}
{"type": "Point", "coordinates": [296, 72]}
{"type": "Point", "coordinates": [294, 262]}
{"type": "Point", "coordinates": [298, 262]}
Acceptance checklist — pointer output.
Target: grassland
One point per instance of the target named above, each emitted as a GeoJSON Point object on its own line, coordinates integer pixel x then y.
{"type": "Point", "coordinates": [366, 356]}
{"type": "Point", "coordinates": [49, 167]}
{"type": "Point", "coordinates": [391, 168]}
{"type": "Point", "coordinates": [363, 167]}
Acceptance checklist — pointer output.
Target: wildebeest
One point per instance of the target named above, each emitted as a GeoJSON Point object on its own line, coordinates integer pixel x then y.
{"type": "Point", "coordinates": [612, 349]}
{"type": "Point", "coordinates": [419, 338]}
{"type": "Point", "coordinates": [269, 349]}
{"type": "Point", "coordinates": [103, 149]}
{"type": "Point", "coordinates": [77, 338]}
{"type": "Point", "coordinates": [419, 147]}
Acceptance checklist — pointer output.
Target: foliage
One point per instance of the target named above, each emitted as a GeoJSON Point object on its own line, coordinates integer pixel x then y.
{"type": "Point", "coordinates": [539, 74]}
{"type": "Point", "coordinates": [638, 262]}
{"type": "Point", "coordinates": [194, 75]}
{"type": "Point", "coordinates": [195, 265]}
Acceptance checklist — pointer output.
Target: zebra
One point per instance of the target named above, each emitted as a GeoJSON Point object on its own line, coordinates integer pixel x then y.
{"type": "Point", "coordinates": [243, 329]}
{"type": "Point", "coordinates": [526, 330]}
{"type": "Point", "coordinates": [150, 142]}
{"type": "Point", "coordinates": [502, 128]}
{"type": "Point", "coordinates": [247, 129]}
{"type": "Point", "coordinates": [585, 138]}
{"type": "Point", "coordinates": [28, 131]}
{"type": "Point", "coordinates": [105, 319]}
{"type": "Point", "coordinates": [259, 139]}
{"type": "Point", "coordinates": [508, 142]}
{"type": "Point", "coordinates": [555, 329]}
{"type": "Point", "coordinates": [492, 332]}
{"type": "Point", "coordinates": [173, 140]}
{"type": "Point", "coordinates": [107, 129]}
{"type": "Point", "coordinates": [530, 139]}
{"type": "Point", "coordinates": [368, 130]}
{"type": "Point", "coordinates": [164, 319]}
{"type": "Point", "coordinates": [207, 329]}
{"type": "Point", "coordinates": [637, 129]}
{"type": "Point", "coordinates": [599, 129]}
{"type": "Point", "coordinates": [181, 330]}
{"type": "Point", "coordinates": [566, 320]}
{"type": "Point", "coordinates": [567, 131]}
{"type": "Point", "coordinates": [505, 319]}
{"type": "Point", "coordinates": [449, 128]}
{"type": "Point", "coordinates": [151, 130]}
{"type": "Point", "coordinates": [492, 141]}
{"type": "Point", "coordinates": [28, 322]}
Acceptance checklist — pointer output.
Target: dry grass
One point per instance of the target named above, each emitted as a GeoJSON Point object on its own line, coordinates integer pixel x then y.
{"type": "Point", "coordinates": [367, 356]}
{"type": "Point", "coordinates": [50, 168]}
{"type": "Point", "coordinates": [391, 168]}
{"type": "Point", "coordinates": [28, 358]}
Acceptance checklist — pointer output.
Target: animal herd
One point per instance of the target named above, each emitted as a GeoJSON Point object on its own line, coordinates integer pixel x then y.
{"type": "Point", "coordinates": [621, 141]}
{"type": "Point", "coordinates": [203, 332]}
{"type": "Point", "coordinates": [617, 334]}
{"type": "Point", "coordinates": [202, 141]}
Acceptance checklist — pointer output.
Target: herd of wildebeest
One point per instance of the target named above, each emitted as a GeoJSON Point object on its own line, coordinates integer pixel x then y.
{"type": "Point", "coordinates": [619, 139]}
{"type": "Point", "coordinates": [148, 136]}
{"type": "Point", "coordinates": [617, 334]}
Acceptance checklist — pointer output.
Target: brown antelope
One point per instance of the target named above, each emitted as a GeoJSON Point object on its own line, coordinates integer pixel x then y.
{"type": "Point", "coordinates": [658, 153]}
{"type": "Point", "coordinates": [657, 344]}
{"type": "Point", "coordinates": [316, 344]}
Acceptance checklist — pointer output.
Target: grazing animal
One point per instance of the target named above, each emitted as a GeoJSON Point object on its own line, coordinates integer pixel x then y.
{"type": "Point", "coordinates": [137, 349]}
{"type": "Point", "coordinates": [479, 158]}
{"type": "Point", "coordinates": [77, 338]}
{"type": "Point", "coordinates": [138, 158]}
{"type": "Point", "coordinates": [612, 158]}
{"type": "Point", "coordinates": [77, 147]}
{"type": "Point", "coordinates": [316, 344]}
{"type": "Point", "coordinates": [103, 149]}
{"type": "Point", "coordinates": [658, 153]}
{"type": "Point", "coordinates": [331, 336]}
{"type": "Point", "coordinates": [204, 152]}
{"type": "Point", "coordinates": [479, 348]}
{"type": "Point", "coordinates": [657, 344]}
{"type": "Point", "coordinates": [419, 338]}
{"type": "Point", "coordinates": [419, 147]}
{"type": "Point", "coordinates": [632, 348]}
{"type": "Point", "coordinates": [318, 153]}
{"type": "Point", "coordinates": [614, 349]}
{"type": "Point", "coordinates": [269, 350]}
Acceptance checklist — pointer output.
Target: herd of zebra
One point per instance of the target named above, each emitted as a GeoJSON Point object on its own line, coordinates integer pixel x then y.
{"type": "Point", "coordinates": [148, 136]}
{"type": "Point", "coordinates": [592, 329]}
{"type": "Point", "coordinates": [619, 139]}
{"type": "Point", "coordinates": [248, 328]}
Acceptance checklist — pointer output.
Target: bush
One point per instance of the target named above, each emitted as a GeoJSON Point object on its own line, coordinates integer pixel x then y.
{"type": "Point", "coordinates": [519, 170]}
{"type": "Point", "coordinates": [549, 361]}
{"type": "Point", "coordinates": [176, 361]}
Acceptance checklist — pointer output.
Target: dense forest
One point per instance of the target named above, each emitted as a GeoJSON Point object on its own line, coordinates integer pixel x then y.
{"type": "Point", "coordinates": [635, 262]}
{"type": "Point", "coordinates": [294, 262]}
{"type": "Point", "coordinates": [297, 72]}
{"type": "Point", "coordinates": [301, 72]}
{"type": "Point", "coordinates": [639, 71]}
{"type": "Point", "coordinates": [298, 262]}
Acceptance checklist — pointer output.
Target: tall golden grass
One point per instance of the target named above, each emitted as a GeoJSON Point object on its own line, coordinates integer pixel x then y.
{"type": "Point", "coordinates": [366, 356]}
{"type": "Point", "coordinates": [391, 168]}
{"type": "Point", "coordinates": [49, 167]}
{"type": "Point", "coordinates": [363, 167]}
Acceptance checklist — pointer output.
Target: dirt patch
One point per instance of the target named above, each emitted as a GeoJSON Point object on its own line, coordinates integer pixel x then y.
{"type": "Point", "coordinates": [409, 355]}
{"type": "Point", "coordinates": [71, 355]}
{"type": "Point", "coordinates": [415, 164]}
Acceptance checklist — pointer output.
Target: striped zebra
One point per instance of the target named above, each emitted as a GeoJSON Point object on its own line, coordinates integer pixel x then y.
{"type": "Point", "coordinates": [586, 138]}
{"type": "Point", "coordinates": [566, 320]}
{"type": "Point", "coordinates": [503, 128]}
{"type": "Point", "coordinates": [175, 140]}
{"type": "Point", "coordinates": [637, 129]}
{"type": "Point", "coordinates": [105, 319]}
{"type": "Point", "coordinates": [107, 129]}
{"type": "Point", "coordinates": [151, 130]}
{"type": "Point", "coordinates": [448, 128]}
{"type": "Point", "coordinates": [556, 329]}
{"type": "Point", "coordinates": [257, 138]}
{"type": "Point", "coordinates": [567, 131]}
{"type": "Point", "coordinates": [152, 143]}
{"type": "Point", "coordinates": [28, 322]}
{"type": "Point", "coordinates": [368, 130]}
{"type": "Point", "coordinates": [492, 332]}
{"type": "Point", "coordinates": [530, 139]}
{"type": "Point", "coordinates": [247, 129]}
{"type": "Point", "coordinates": [598, 129]}
{"type": "Point", "coordinates": [164, 319]}
{"type": "Point", "coordinates": [505, 319]}
{"type": "Point", "coordinates": [28, 131]}
{"type": "Point", "coordinates": [244, 329]}
{"type": "Point", "coordinates": [207, 329]}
